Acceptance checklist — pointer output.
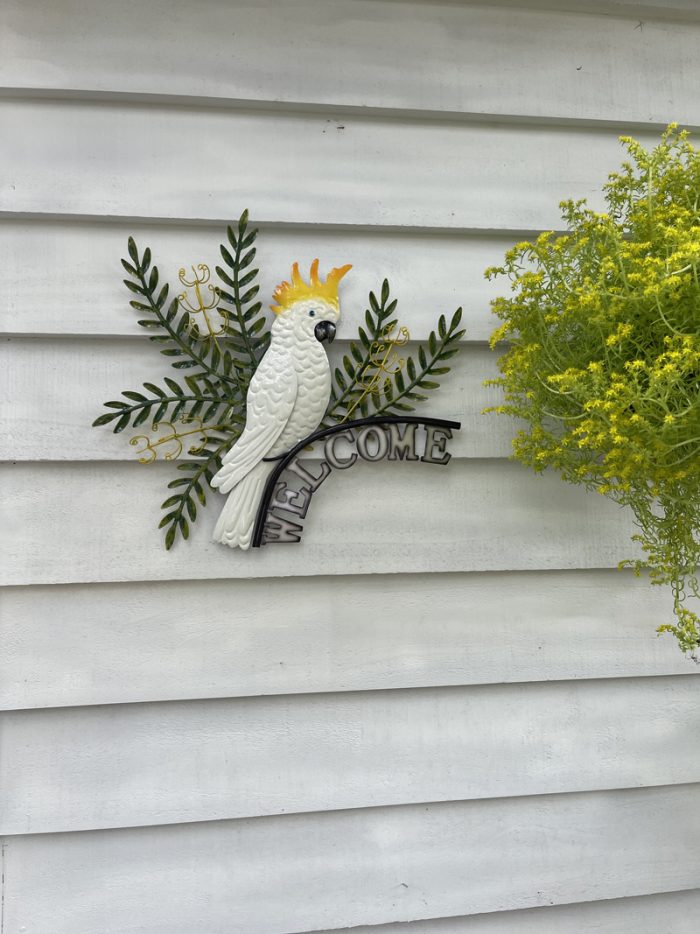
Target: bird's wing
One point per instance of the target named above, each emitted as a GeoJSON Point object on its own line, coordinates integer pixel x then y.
{"type": "Point", "coordinates": [271, 397]}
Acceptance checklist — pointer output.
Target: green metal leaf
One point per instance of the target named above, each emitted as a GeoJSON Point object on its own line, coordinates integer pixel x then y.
{"type": "Point", "coordinates": [247, 259]}
{"type": "Point", "coordinates": [160, 412]}
{"type": "Point", "coordinates": [122, 423]}
{"type": "Point", "coordinates": [340, 379]}
{"type": "Point", "coordinates": [104, 419]}
{"type": "Point", "coordinates": [250, 295]}
{"type": "Point", "coordinates": [224, 276]}
{"type": "Point", "coordinates": [249, 276]}
{"type": "Point", "coordinates": [141, 417]}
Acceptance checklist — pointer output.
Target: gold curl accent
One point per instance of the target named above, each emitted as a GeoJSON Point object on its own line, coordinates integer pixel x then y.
{"type": "Point", "coordinates": [174, 437]}
{"type": "Point", "coordinates": [200, 277]}
{"type": "Point", "coordinates": [384, 358]}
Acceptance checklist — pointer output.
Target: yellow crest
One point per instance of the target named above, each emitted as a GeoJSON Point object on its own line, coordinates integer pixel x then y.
{"type": "Point", "coordinates": [287, 293]}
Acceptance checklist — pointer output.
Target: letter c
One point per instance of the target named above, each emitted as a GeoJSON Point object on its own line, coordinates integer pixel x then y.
{"type": "Point", "coordinates": [330, 454]}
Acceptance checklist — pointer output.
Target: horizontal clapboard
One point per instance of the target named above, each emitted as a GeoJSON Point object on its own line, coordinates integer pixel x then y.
{"type": "Point", "coordinates": [674, 10]}
{"type": "Point", "coordinates": [35, 374]}
{"type": "Point", "coordinates": [465, 58]}
{"type": "Point", "coordinates": [647, 914]}
{"type": "Point", "coordinates": [64, 277]}
{"type": "Point", "coordinates": [116, 643]}
{"type": "Point", "coordinates": [71, 522]}
{"type": "Point", "coordinates": [146, 764]}
{"type": "Point", "coordinates": [65, 157]}
{"type": "Point", "coordinates": [359, 867]}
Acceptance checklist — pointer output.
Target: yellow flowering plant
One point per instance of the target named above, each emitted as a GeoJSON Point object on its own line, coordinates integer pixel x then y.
{"type": "Point", "coordinates": [602, 358]}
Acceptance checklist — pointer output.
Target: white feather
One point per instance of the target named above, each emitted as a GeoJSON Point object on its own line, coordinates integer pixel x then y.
{"type": "Point", "coordinates": [237, 520]}
{"type": "Point", "coordinates": [271, 397]}
{"type": "Point", "coordinates": [287, 398]}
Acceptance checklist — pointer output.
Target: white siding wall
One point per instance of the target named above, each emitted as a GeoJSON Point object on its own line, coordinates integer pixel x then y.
{"type": "Point", "coordinates": [445, 712]}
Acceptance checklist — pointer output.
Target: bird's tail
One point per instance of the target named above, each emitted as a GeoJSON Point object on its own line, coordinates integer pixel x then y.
{"type": "Point", "coordinates": [237, 520]}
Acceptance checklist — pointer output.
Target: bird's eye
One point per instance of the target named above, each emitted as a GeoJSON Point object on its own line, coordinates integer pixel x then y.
{"type": "Point", "coordinates": [312, 314]}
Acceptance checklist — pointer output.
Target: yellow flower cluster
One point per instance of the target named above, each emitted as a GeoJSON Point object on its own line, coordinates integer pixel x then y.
{"type": "Point", "coordinates": [603, 356]}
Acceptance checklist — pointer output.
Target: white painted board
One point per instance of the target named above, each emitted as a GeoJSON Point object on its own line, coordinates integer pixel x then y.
{"type": "Point", "coordinates": [52, 390]}
{"type": "Point", "coordinates": [116, 643]}
{"type": "Point", "coordinates": [440, 58]}
{"type": "Point", "coordinates": [70, 522]}
{"type": "Point", "coordinates": [184, 163]}
{"type": "Point", "coordinates": [672, 912]}
{"type": "Point", "coordinates": [130, 765]}
{"type": "Point", "coordinates": [308, 872]}
{"type": "Point", "coordinates": [673, 10]}
{"type": "Point", "coordinates": [64, 277]}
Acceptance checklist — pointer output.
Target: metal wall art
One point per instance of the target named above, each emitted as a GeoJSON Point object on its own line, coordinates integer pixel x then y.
{"type": "Point", "coordinates": [255, 395]}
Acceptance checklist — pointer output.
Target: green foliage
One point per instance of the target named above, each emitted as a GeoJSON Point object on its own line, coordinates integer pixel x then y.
{"type": "Point", "coordinates": [223, 362]}
{"type": "Point", "coordinates": [182, 505]}
{"type": "Point", "coordinates": [603, 357]}
{"type": "Point", "coordinates": [216, 392]}
{"type": "Point", "coordinates": [373, 381]}
{"type": "Point", "coordinates": [246, 328]}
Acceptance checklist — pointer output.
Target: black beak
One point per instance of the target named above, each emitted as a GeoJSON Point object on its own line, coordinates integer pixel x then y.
{"type": "Point", "coordinates": [325, 331]}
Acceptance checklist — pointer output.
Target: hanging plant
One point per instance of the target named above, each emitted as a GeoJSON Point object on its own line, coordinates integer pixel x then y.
{"type": "Point", "coordinates": [215, 337]}
{"type": "Point", "coordinates": [602, 358]}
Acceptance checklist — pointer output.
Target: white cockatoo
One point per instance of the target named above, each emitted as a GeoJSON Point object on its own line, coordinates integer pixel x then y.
{"type": "Point", "coordinates": [287, 397]}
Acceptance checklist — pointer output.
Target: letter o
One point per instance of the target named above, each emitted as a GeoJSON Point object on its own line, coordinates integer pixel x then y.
{"type": "Point", "coordinates": [381, 441]}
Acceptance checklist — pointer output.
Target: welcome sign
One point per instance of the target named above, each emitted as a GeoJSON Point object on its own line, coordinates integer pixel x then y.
{"type": "Point", "coordinates": [253, 391]}
{"type": "Point", "coordinates": [285, 503]}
